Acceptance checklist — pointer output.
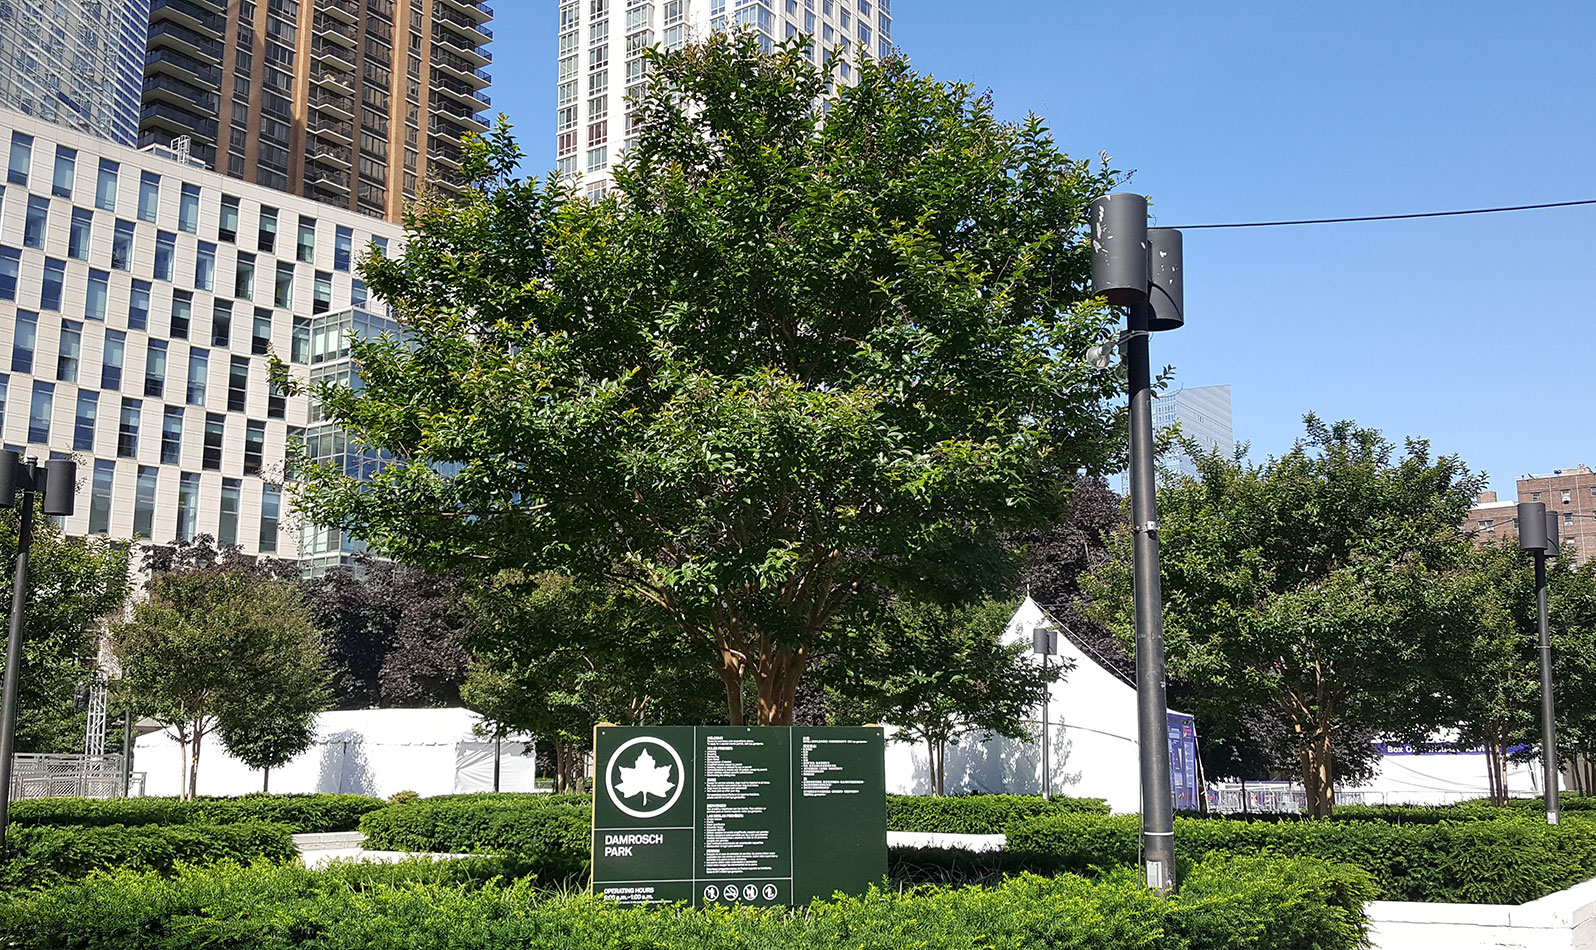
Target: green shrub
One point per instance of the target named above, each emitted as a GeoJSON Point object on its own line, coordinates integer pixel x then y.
{"type": "Point", "coordinates": [303, 813]}
{"type": "Point", "coordinates": [979, 814]}
{"type": "Point", "coordinates": [1507, 861]}
{"type": "Point", "coordinates": [547, 835]}
{"type": "Point", "coordinates": [47, 856]}
{"type": "Point", "coordinates": [1255, 903]}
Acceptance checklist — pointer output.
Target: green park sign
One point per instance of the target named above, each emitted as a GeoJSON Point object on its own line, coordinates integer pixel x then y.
{"type": "Point", "coordinates": [760, 815]}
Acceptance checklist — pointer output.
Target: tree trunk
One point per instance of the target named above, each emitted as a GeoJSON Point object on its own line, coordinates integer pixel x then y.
{"type": "Point", "coordinates": [193, 763]}
{"type": "Point", "coordinates": [182, 768]}
{"type": "Point", "coordinates": [931, 765]}
{"type": "Point", "coordinates": [1318, 774]}
{"type": "Point", "coordinates": [777, 679]}
{"type": "Point", "coordinates": [567, 767]}
{"type": "Point", "coordinates": [942, 767]}
{"type": "Point", "coordinates": [731, 675]}
{"type": "Point", "coordinates": [266, 780]}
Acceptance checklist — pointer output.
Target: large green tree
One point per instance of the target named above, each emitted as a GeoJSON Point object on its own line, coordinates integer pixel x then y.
{"type": "Point", "coordinates": [222, 645]}
{"type": "Point", "coordinates": [810, 349]}
{"type": "Point", "coordinates": [74, 585]}
{"type": "Point", "coordinates": [1315, 583]}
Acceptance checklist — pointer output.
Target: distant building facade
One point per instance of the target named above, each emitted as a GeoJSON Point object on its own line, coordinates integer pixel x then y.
{"type": "Point", "coordinates": [1567, 493]}
{"type": "Point", "coordinates": [1203, 415]}
{"type": "Point", "coordinates": [78, 64]}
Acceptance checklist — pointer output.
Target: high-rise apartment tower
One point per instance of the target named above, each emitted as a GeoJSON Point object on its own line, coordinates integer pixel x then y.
{"type": "Point", "coordinates": [75, 63]}
{"type": "Point", "coordinates": [1203, 414]}
{"type": "Point", "coordinates": [601, 63]}
{"type": "Point", "coordinates": [353, 103]}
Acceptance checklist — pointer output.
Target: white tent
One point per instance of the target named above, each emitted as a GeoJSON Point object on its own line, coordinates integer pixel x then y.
{"type": "Point", "coordinates": [1091, 737]}
{"type": "Point", "coordinates": [1436, 775]}
{"type": "Point", "coordinates": [365, 751]}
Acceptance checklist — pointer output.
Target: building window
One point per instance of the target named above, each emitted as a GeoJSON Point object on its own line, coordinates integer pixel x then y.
{"type": "Point", "coordinates": [199, 367]}
{"type": "Point", "coordinates": [182, 314]}
{"type": "Point", "coordinates": [144, 502]}
{"type": "Point", "coordinates": [165, 254]}
{"type": "Point", "coordinates": [1568, 496]}
{"type": "Point", "coordinates": [78, 235]}
{"type": "Point", "coordinates": [39, 413]}
{"type": "Point", "coordinates": [284, 291]}
{"type": "Point", "coordinates": [238, 383]}
{"type": "Point", "coordinates": [188, 209]}
{"type": "Point", "coordinates": [1568, 519]}
{"type": "Point", "coordinates": [138, 306]}
{"type": "Point", "coordinates": [343, 248]}
{"type": "Point", "coordinates": [1535, 496]}
{"type": "Point", "coordinates": [215, 432]}
{"type": "Point", "coordinates": [205, 267]}
{"type": "Point", "coordinates": [127, 431]}
{"type": "Point", "coordinates": [155, 369]}
{"type": "Point", "coordinates": [111, 364]}
{"type": "Point", "coordinates": [100, 496]}
{"type": "Point", "coordinates": [268, 230]}
{"type": "Point", "coordinates": [307, 240]}
{"type": "Point", "coordinates": [260, 341]}
{"type": "Point", "coordinates": [66, 169]}
{"type": "Point", "coordinates": [149, 195]}
{"type": "Point", "coordinates": [227, 525]}
{"type": "Point", "coordinates": [299, 346]}
{"type": "Point", "coordinates": [105, 186]}
{"type": "Point", "coordinates": [54, 281]}
{"type": "Point", "coordinates": [10, 270]}
{"type": "Point", "coordinates": [227, 224]}
{"type": "Point", "coordinates": [83, 427]}
{"type": "Point", "coordinates": [172, 436]}
{"type": "Point", "coordinates": [66, 364]}
{"type": "Point", "coordinates": [244, 277]}
{"type": "Point", "coordinates": [188, 486]}
{"type": "Point", "coordinates": [597, 159]}
{"type": "Point", "coordinates": [24, 338]}
{"type": "Point", "coordinates": [221, 323]}
{"type": "Point", "coordinates": [21, 158]}
{"type": "Point", "coordinates": [271, 503]}
{"type": "Point", "coordinates": [122, 246]}
{"type": "Point", "coordinates": [1487, 525]}
{"type": "Point", "coordinates": [98, 294]}
{"type": "Point", "coordinates": [36, 222]}
{"type": "Point", "coordinates": [322, 299]}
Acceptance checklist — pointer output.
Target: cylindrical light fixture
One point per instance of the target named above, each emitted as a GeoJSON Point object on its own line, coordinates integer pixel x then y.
{"type": "Point", "coordinates": [1166, 281]}
{"type": "Point", "coordinates": [10, 468]}
{"type": "Point", "coordinates": [60, 486]}
{"type": "Point", "coordinates": [1553, 544]}
{"type": "Point", "coordinates": [1531, 526]}
{"type": "Point", "coordinates": [1119, 248]}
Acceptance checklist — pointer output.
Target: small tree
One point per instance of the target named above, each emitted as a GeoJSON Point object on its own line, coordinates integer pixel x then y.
{"type": "Point", "coordinates": [219, 644]}
{"type": "Point", "coordinates": [1314, 583]}
{"type": "Point", "coordinates": [942, 674]}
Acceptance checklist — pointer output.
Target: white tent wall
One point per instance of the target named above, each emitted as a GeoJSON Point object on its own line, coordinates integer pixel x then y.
{"type": "Point", "coordinates": [1092, 737]}
{"type": "Point", "coordinates": [366, 751]}
{"type": "Point", "coordinates": [1437, 778]}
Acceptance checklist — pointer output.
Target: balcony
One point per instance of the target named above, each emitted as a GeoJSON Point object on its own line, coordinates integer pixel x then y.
{"type": "Point", "coordinates": [169, 35]}
{"type": "Point", "coordinates": [336, 31]}
{"type": "Point", "coordinates": [339, 130]}
{"type": "Point", "coordinates": [346, 10]}
{"type": "Point", "coordinates": [190, 14]}
{"type": "Point", "coordinates": [457, 66]}
{"type": "Point", "coordinates": [333, 79]}
{"type": "Point", "coordinates": [185, 67]}
{"type": "Point", "coordinates": [325, 51]}
{"type": "Point", "coordinates": [446, 154]}
{"type": "Point", "coordinates": [338, 105]}
{"type": "Point", "coordinates": [161, 115]}
{"type": "Point", "coordinates": [470, 97]}
{"type": "Point", "coordinates": [327, 178]}
{"type": "Point", "coordinates": [159, 88]}
{"type": "Point", "coordinates": [474, 28]}
{"type": "Point", "coordinates": [331, 154]}
{"type": "Point", "coordinates": [470, 119]}
{"type": "Point", "coordinates": [462, 47]}
{"type": "Point", "coordinates": [479, 12]}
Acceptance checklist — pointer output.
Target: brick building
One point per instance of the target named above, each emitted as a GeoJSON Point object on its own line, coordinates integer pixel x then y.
{"type": "Point", "coordinates": [1569, 493]}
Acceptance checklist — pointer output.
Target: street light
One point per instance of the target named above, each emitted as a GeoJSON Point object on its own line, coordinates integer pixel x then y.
{"type": "Point", "coordinates": [27, 478]}
{"type": "Point", "coordinates": [1139, 268]}
{"type": "Point", "coordinates": [1537, 534]}
{"type": "Point", "coordinates": [1044, 642]}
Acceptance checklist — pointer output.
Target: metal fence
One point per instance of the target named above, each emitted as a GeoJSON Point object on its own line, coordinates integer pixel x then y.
{"type": "Point", "coordinates": [1228, 798]}
{"type": "Point", "coordinates": [86, 776]}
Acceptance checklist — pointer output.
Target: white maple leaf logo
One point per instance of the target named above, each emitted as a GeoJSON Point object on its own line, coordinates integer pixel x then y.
{"type": "Point", "coordinates": [645, 778]}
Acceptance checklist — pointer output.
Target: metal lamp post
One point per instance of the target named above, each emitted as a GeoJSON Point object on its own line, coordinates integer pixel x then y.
{"type": "Point", "coordinates": [1044, 642]}
{"type": "Point", "coordinates": [1140, 268]}
{"type": "Point", "coordinates": [29, 479]}
{"type": "Point", "coordinates": [1537, 534]}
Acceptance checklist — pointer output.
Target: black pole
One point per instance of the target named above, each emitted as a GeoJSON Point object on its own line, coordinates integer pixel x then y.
{"type": "Point", "coordinates": [1152, 716]}
{"type": "Point", "coordinates": [1548, 707]}
{"type": "Point", "coordinates": [127, 752]}
{"type": "Point", "coordinates": [1047, 765]}
{"type": "Point", "coordinates": [497, 751]}
{"type": "Point", "coordinates": [8, 701]}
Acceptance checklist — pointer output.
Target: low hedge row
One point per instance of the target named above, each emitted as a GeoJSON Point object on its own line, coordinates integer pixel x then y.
{"type": "Point", "coordinates": [303, 813]}
{"type": "Point", "coordinates": [980, 814]}
{"type": "Point", "coordinates": [548, 835]}
{"type": "Point", "coordinates": [1226, 904]}
{"type": "Point", "coordinates": [49, 856]}
{"type": "Point", "coordinates": [1508, 861]}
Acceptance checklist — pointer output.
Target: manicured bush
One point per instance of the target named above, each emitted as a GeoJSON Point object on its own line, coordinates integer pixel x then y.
{"type": "Point", "coordinates": [1507, 861]}
{"type": "Point", "coordinates": [1227, 904]}
{"type": "Point", "coordinates": [979, 814]}
{"type": "Point", "coordinates": [303, 813]}
{"type": "Point", "coordinates": [47, 856]}
{"type": "Point", "coordinates": [548, 835]}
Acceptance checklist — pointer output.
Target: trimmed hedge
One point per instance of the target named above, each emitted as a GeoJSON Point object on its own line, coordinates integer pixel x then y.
{"type": "Point", "coordinates": [1227, 904]}
{"type": "Point", "coordinates": [1508, 861]}
{"type": "Point", "coordinates": [548, 835]}
{"type": "Point", "coordinates": [44, 857]}
{"type": "Point", "coordinates": [980, 814]}
{"type": "Point", "coordinates": [303, 813]}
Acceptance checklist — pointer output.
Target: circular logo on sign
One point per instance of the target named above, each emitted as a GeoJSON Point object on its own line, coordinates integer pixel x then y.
{"type": "Point", "coordinates": [644, 777]}
{"type": "Point", "coordinates": [750, 892]}
{"type": "Point", "coordinates": [729, 892]}
{"type": "Point", "coordinates": [770, 892]}
{"type": "Point", "coordinates": [711, 892]}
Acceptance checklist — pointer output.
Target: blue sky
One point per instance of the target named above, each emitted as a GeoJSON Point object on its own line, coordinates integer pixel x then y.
{"type": "Point", "coordinates": [1473, 332]}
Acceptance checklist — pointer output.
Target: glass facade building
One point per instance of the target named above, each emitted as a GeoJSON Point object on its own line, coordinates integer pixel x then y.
{"type": "Point", "coordinates": [1203, 414]}
{"type": "Point", "coordinates": [78, 64]}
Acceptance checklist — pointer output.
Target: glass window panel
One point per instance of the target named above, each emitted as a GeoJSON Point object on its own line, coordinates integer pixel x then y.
{"type": "Point", "coordinates": [100, 496]}
{"type": "Point", "coordinates": [144, 502]}
{"type": "Point", "coordinates": [105, 186]}
{"type": "Point", "coordinates": [83, 426]}
{"type": "Point", "coordinates": [111, 365]}
{"type": "Point", "coordinates": [24, 337]}
{"type": "Point", "coordinates": [149, 195]}
{"type": "Point", "coordinates": [39, 413]}
{"type": "Point", "coordinates": [188, 209]}
{"type": "Point", "coordinates": [66, 169]}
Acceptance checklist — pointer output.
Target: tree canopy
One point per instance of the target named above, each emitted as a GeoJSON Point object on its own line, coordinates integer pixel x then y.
{"type": "Point", "coordinates": [1316, 584]}
{"type": "Point", "coordinates": [811, 350]}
